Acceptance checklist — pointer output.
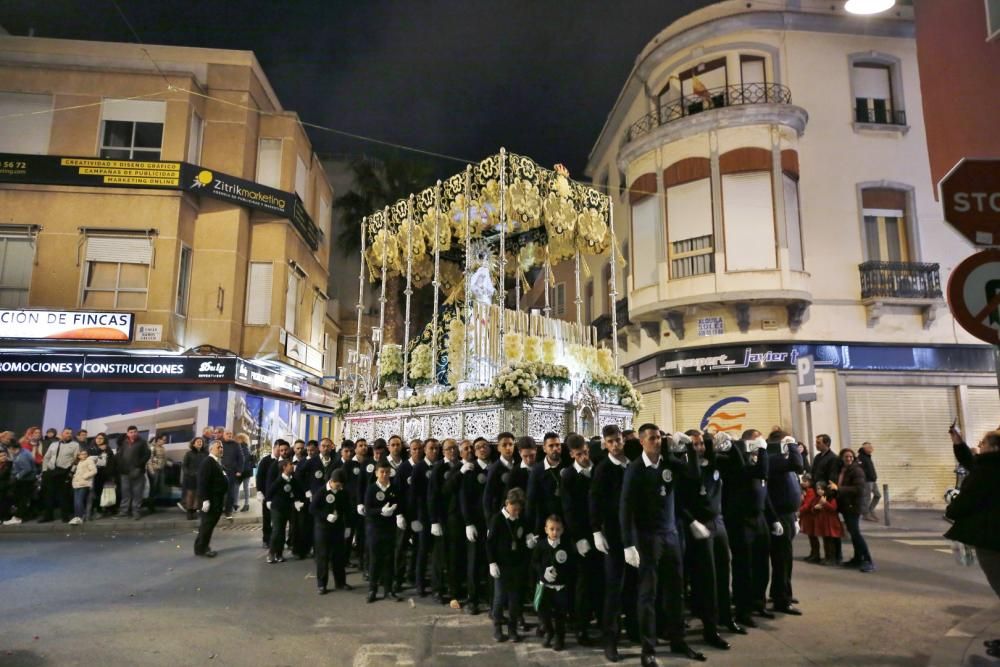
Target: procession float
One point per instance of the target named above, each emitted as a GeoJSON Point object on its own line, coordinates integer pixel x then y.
{"type": "Point", "coordinates": [483, 364]}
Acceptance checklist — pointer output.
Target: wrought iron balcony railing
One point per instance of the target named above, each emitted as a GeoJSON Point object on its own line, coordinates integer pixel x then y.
{"type": "Point", "coordinates": [603, 323]}
{"type": "Point", "coordinates": [878, 115]}
{"type": "Point", "coordinates": [713, 98]}
{"type": "Point", "coordinates": [902, 280]}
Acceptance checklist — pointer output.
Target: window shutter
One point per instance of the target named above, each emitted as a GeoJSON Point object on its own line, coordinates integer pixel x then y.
{"type": "Point", "coordinates": [793, 223]}
{"type": "Point", "coordinates": [645, 222]}
{"type": "Point", "coordinates": [24, 129]}
{"type": "Point", "coordinates": [748, 213]}
{"type": "Point", "coordinates": [120, 249]}
{"type": "Point", "coordinates": [301, 178]}
{"type": "Point", "coordinates": [194, 138]}
{"type": "Point", "coordinates": [689, 210]}
{"type": "Point", "coordinates": [259, 288]}
{"type": "Point", "coordinates": [269, 162]}
{"type": "Point", "coordinates": [872, 82]}
{"type": "Point", "coordinates": [139, 111]}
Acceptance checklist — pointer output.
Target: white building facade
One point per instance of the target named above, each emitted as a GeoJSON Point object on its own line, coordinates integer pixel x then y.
{"type": "Point", "coordinates": [769, 170]}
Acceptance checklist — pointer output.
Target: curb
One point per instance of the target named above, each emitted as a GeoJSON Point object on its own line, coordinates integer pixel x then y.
{"type": "Point", "coordinates": [118, 526]}
{"type": "Point", "coordinates": [964, 639]}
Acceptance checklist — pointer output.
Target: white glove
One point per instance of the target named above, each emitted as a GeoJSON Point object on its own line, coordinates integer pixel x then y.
{"type": "Point", "coordinates": [755, 444]}
{"type": "Point", "coordinates": [332, 517]}
{"type": "Point", "coordinates": [416, 527]}
{"type": "Point", "coordinates": [309, 495]}
{"type": "Point", "coordinates": [436, 530]}
{"type": "Point", "coordinates": [347, 533]}
{"type": "Point", "coordinates": [600, 543]}
{"type": "Point", "coordinates": [400, 522]}
{"type": "Point", "coordinates": [494, 570]}
{"type": "Point", "coordinates": [632, 556]}
{"type": "Point", "coordinates": [786, 442]}
{"type": "Point", "coordinates": [205, 506]}
{"type": "Point", "coordinates": [470, 533]}
{"type": "Point", "coordinates": [679, 442]}
{"type": "Point", "coordinates": [723, 442]}
{"type": "Point", "coordinates": [777, 529]}
{"type": "Point", "coordinates": [531, 540]}
{"type": "Point", "coordinates": [796, 529]}
{"type": "Point", "coordinates": [468, 466]}
{"type": "Point", "coordinates": [388, 510]}
{"type": "Point", "coordinates": [699, 531]}
{"type": "Point", "coordinates": [268, 504]}
{"type": "Point", "coordinates": [550, 574]}
{"type": "Point", "coordinates": [582, 547]}
{"type": "Point", "coordinates": [299, 505]}
{"type": "Point", "coordinates": [260, 496]}
{"type": "Point", "coordinates": [361, 510]}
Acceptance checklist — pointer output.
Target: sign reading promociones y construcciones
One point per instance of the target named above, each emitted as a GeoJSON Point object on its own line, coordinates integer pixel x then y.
{"type": "Point", "coordinates": [68, 325]}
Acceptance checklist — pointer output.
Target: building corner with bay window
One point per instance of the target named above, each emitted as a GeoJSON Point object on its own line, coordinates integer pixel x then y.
{"type": "Point", "coordinates": [165, 247]}
{"type": "Point", "coordinates": [769, 174]}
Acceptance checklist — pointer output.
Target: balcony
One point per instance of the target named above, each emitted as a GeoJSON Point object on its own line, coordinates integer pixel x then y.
{"type": "Point", "coordinates": [713, 98]}
{"type": "Point", "coordinates": [900, 284]}
{"type": "Point", "coordinates": [603, 323]}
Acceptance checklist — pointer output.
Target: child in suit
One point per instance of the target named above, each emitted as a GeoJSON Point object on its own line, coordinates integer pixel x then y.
{"type": "Point", "coordinates": [284, 498]}
{"type": "Point", "coordinates": [553, 564]}
{"type": "Point", "coordinates": [332, 520]}
{"type": "Point", "coordinates": [508, 555]}
{"type": "Point", "coordinates": [381, 508]}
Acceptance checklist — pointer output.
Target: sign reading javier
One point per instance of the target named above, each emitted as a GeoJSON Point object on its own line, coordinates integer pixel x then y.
{"type": "Point", "coordinates": [69, 325]}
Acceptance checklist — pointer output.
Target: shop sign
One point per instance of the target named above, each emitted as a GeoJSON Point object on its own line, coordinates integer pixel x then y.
{"type": "Point", "coordinates": [149, 333]}
{"type": "Point", "coordinates": [317, 395]}
{"type": "Point", "coordinates": [115, 367]}
{"type": "Point", "coordinates": [303, 353]}
{"type": "Point", "coordinates": [263, 378]}
{"type": "Point", "coordinates": [710, 326]}
{"type": "Point", "coordinates": [783, 357]}
{"type": "Point", "coordinates": [66, 325]}
{"type": "Point", "coordinates": [84, 171]}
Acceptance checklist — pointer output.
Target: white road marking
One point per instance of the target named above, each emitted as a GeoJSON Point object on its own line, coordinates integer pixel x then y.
{"type": "Point", "coordinates": [899, 534]}
{"type": "Point", "coordinates": [369, 654]}
{"type": "Point", "coordinates": [925, 543]}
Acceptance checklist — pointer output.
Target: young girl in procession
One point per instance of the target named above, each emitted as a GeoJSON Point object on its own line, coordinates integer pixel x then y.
{"type": "Point", "coordinates": [84, 473]}
{"type": "Point", "coordinates": [807, 518]}
{"type": "Point", "coordinates": [828, 524]}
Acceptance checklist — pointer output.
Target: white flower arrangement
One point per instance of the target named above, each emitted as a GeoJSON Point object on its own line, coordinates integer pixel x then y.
{"type": "Point", "coordinates": [515, 382]}
{"type": "Point", "coordinates": [513, 347]}
{"type": "Point", "coordinates": [420, 364]}
{"type": "Point", "coordinates": [456, 350]}
{"type": "Point", "coordinates": [415, 401]}
{"type": "Point", "coordinates": [549, 350]}
{"type": "Point", "coordinates": [477, 395]}
{"type": "Point", "coordinates": [342, 405]}
{"type": "Point", "coordinates": [533, 349]}
{"type": "Point", "coordinates": [605, 361]}
{"type": "Point", "coordinates": [391, 363]}
{"type": "Point", "coordinates": [444, 399]}
{"type": "Point", "coordinates": [631, 398]}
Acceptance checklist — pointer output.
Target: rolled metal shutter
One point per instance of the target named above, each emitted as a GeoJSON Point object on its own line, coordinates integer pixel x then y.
{"type": "Point", "coordinates": [984, 413]}
{"type": "Point", "coordinates": [730, 409]}
{"type": "Point", "coordinates": [908, 426]}
{"type": "Point", "coordinates": [650, 413]}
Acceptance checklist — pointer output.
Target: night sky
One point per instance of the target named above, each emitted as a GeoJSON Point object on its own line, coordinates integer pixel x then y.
{"type": "Point", "coordinates": [459, 77]}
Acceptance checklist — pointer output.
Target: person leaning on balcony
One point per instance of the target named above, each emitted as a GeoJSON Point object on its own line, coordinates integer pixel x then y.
{"type": "Point", "coordinates": [975, 511]}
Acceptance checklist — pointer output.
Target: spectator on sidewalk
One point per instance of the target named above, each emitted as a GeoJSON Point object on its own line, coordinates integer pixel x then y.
{"type": "Point", "coordinates": [850, 487]}
{"type": "Point", "coordinates": [248, 464]}
{"type": "Point", "coordinates": [84, 473]}
{"type": "Point", "coordinates": [807, 518]}
{"type": "Point", "coordinates": [31, 442]}
{"type": "Point", "coordinates": [825, 464]}
{"type": "Point", "coordinates": [133, 455]}
{"type": "Point", "coordinates": [6, 485]}
{"type": "Point", "coordinates": [23, 476]}
{"type": "Point", "coordinates": [827, 523]}
{"type": "Point", "coordinates": [56, 472]}
{"type": "Point", "coordinates": [232, 463]}
{"type": "Point", "coordinates": [975, 511]}
{"type": "Point", "coordinates": [51, 435]}
{"type": "Point", "coordinates": [193, 459]}
{"type": "Point", "coordinates": [871, 496]}
{"type": "Point", "coordinates": [155, 469]}
{"type": "Point", "coordinates": [107, 473]}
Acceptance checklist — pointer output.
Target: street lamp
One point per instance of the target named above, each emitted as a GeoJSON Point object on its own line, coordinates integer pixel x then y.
{"type": "Point", "coordinates": [868, 6]}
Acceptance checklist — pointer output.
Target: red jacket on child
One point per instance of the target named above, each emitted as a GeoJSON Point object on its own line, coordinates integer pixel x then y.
{"type": "Point", "coordinates": [827, 522]}
{"type": "Point", "coordinates": [807, 517]}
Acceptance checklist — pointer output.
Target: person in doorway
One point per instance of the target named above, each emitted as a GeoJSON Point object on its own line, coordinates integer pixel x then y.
{"type": "Point", "coordinates": [155, 470]}
{"type": "Point", "coordinates": [871, 496]}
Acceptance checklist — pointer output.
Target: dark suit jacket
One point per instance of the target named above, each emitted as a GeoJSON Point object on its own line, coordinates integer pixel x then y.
{"type": "Point", "coordinates": [212, 484]}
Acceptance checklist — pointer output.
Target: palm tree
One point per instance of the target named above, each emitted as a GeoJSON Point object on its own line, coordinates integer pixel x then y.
{"type": "Point", "coordinates": [378, 183]}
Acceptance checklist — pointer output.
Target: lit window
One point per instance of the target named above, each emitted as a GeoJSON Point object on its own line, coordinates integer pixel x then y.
{"type": "Point", "coordinates": [132, 129]}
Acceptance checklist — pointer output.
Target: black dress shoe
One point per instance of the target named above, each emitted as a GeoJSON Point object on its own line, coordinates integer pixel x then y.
{"type": "Point", "coordinates": [210, 554]}
{"type": "Point", "coordinates": [793, 600]}
{"type": "Point", "coordinates": [764, 613]}
{"type": "Point", "coordinates": [649, 661]}
{"type": "Point", "coordinates": [395, 596]}
{"type": "Point", "coordinates": [547, 641]}
{"type": "Point", "coordinates": [498, 634]}
{"type": "Point", "coordinates": [371, 597]}
{"type": "Point", "coordinates": [992, 643]}
{"type": "Point", "coordinates": [559, 644]}
{"type": "Point", "coordinates": [737, 628]}
{"type": "Point", "coordinates": [322, 590]}
{"type": "Point", "coordinates": [714, 640]}
{"type": "Point", "coordinates": [271, 560]}
{"type": "Point", "coordinates": [790, 610]}
{"type": "Point", "coordinates": [681, 648]}
{"type": "Point", "coordinates": [611, 653]}
{"type": "Point", "coordinates": [472, 609]}
{"type": "Point", "coordinates": [345, 587]}
{"type": "Point", "coordinates": [746, 621]}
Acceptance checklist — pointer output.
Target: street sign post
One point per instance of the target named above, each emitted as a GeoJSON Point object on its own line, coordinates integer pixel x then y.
{"type": "Point", "coordinates": [974, 298]}
{"type": "Point", "coordinates": [970, 196]}
{"type": "Point", "coordinates": [805, 375]}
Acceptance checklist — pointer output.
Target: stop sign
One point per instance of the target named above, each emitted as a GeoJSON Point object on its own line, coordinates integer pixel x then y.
{"type": "Point", "coordinates": [970, 195]}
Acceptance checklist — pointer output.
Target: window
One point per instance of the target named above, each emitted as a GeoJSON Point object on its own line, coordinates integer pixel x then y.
{"type": "Point", "coordinates": [625, 269]}
{"type": "Point", "coordinates": [559, 300]}
{"type": "Point", "coordinates": [27, 121]}
{"type": "Point", "coordinates": [116, 272]}
{"type": "Point", "coordinates": [292, 298]}
{"type": "Point", "coordinates": [748, 216]}
{"type": "Point", "coordinates": [132, 129]}
{"type": "Point", "coordinates": [325, 218]}
{"type": "Point", "coordinates": [704, 86]}
{"type": "Point", "coordinates": [689, 228]}
{"type": "Point", "coordinates": [259, 287]}
{"type": "Point", "coordinates": [874, 101]}
{"type": "Point", "coordinates": [269, 163]}
{"type": "Point", "coordinates": [992, 19]}
{"type": "Point", "coordinates": [646, 232]}
{"type": "Point", "coordinates": [17, 258]}
{"type": "Point", "coordinates": [183, 280]}
{"type": "Point", "coordinates": [195, 134]}
{"type": "Point", "coordinates": [301, 178]}
{"type": "Point", "coordinates": [793, 223]}
{"type": "Point", "coordinates": [318, 315]}
{"type": "Point", "coordinates": [588, 303]}
{"type": "Point", "coordinates": [884, 216]}
{"type": "Point", "coordinates": [752, 70]}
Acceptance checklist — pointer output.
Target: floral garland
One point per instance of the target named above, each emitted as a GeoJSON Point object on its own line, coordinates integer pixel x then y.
{"type": "Point", "coordinates": [631, 398]}
{"type": "Point", "coordinates": [456, 350]}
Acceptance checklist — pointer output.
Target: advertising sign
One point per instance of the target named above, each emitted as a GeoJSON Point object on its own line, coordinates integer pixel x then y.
{"type": "Point", "coordinates": [263, 378]}
{"type": "Point", "coordinates": [57, 170]}
{"type": "Point", "coordinates": [116, 367]}
{"type": "Point", "coordinates": [66, 325]}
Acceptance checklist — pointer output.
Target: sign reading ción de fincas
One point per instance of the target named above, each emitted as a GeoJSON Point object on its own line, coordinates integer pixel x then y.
{"type": "Point", "coordinates": [69, 325]}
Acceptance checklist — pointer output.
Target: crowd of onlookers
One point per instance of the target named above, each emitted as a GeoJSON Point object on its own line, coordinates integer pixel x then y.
{"type": "Point", "coordinates": [80, 477]}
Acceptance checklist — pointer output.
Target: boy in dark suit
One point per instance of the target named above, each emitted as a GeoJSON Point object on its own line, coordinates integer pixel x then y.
{"type": "Point", "coordinates": [507, 553]}
{"type": "Point", "coordinates": [552, 562]}
{"type": "Point", "coordinates": [381, 509]}
{"type": "Point", "coordinates": [332, 512]}
{"type": "Point", "coordinates": [285, 497]}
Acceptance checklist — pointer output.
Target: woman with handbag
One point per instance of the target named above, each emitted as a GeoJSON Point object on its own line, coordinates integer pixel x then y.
{"type": "Point", "coordinates": [189, 476]}
{"type": "Point", "coordinates": [106, 479]}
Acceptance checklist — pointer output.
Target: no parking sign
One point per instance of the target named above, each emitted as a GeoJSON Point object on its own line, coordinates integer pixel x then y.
{"type": "Point", "coordinates": [974, 295]}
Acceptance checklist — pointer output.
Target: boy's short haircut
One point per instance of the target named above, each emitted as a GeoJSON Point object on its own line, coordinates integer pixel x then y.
{"type": "Point", "coordinates": [610, 430]}
{"type": "Point", "coordinates": [505, 434]}
{"type": "Point", "coordinates": [516, 496]}
{"type": "Point", "coordinates": [575, 441]}
{"type": "Point", "coordinates": [554, 518]}
{"type": "Point", "coordinates": [526, 442]}
{"type": "Point", "coordinates": [285, 463]}
{"type": "Point", "coordinates": [479, 440]}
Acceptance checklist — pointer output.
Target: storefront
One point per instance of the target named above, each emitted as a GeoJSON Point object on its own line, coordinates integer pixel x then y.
{"type": "Point", "coordinates": [900, 398]}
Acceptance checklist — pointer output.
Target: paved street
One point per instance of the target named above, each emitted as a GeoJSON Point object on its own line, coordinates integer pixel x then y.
{"type": "Point", "coordinates": [140, 598]}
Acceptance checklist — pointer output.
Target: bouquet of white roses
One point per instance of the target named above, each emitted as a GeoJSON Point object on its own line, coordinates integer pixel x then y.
{"type": "Point", "coordinates": [444, 398]}
{"type": "Point", "coordinates": [420, 364]}
{"type": "Point", "coordinates": [342, 405]}
{"type": "Point", "coordinates": [513, 347]}
{"type": "Point", "coordinates": [516, 382]}
{"type": "Point", "coordinates": [391, 363]}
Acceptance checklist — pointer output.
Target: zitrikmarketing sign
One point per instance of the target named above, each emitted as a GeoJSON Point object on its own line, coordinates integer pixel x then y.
{"type": "Point", "coordinates": [66, 325]}
{"type": "Point", "coordinates": [159, 174]}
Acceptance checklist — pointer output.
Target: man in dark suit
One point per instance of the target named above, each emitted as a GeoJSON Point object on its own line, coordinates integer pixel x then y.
{"type": "Point", "coordinates": [575, 494]}
{"type": "Point", "coordinates": [543, 487]}
{"type": "Point", "coordinates": [212, 489]}
{"type": "Point", "coordinates": [260, 482]}
{"type": "Point", "coordinates": [233, 463]}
